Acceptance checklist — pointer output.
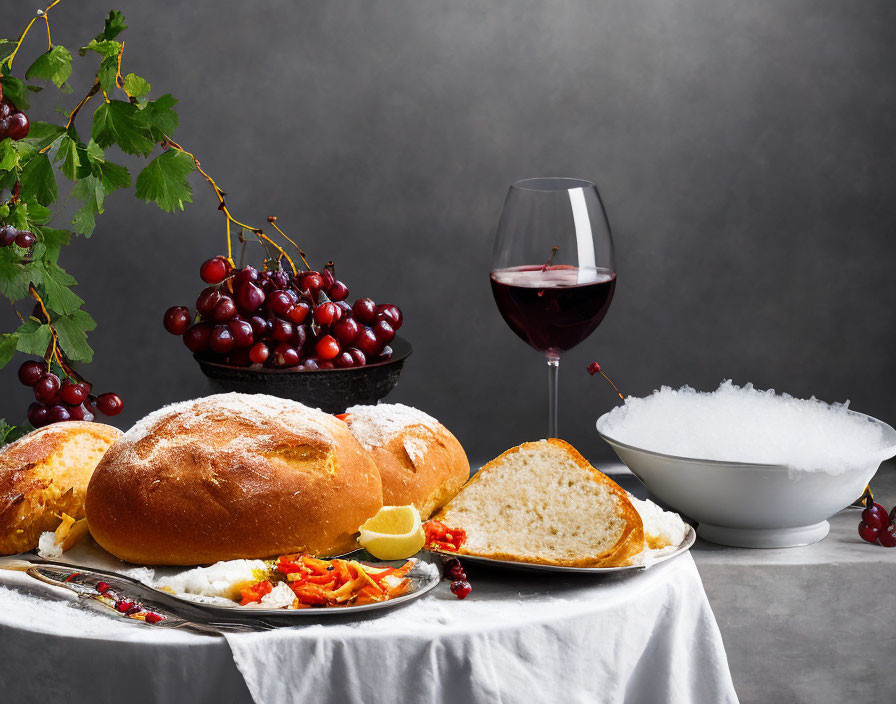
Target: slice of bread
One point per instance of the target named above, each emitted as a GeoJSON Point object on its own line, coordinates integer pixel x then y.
{"type": "Point", "coordinates": [542, 502]}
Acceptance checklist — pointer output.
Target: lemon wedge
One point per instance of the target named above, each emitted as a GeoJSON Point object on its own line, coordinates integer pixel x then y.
{"type": "Point", "coordinates": [394, 533]}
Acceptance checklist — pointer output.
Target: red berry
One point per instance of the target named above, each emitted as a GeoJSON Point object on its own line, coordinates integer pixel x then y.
{"type": "Point", "coordinates": [327, 313]}
{"type": "Point", "coordinates": [249, 297]}
{"type": "Point", "coordinates": [385, 354]}
{"type": "Point", "coordinates": [221, 340]}
{"type": "Point", "coordinates": [344, 360]}
{"type": "Point", "coordinates": [455, 571]}
{"type": "Point", "coordinates": [109, 404]}
{"type": "Point", "coordinates": [124, 605]}
{"type": "Point", "coordinates": [368, 343]}
{"type": "Point", "coordinates": [887, 536]}
{"type": "Point", "coordinates": [390, 314]}
{"type": "Point", "coordinates": [259, 353]}
{"type": "Point", "coordinates": [329, 279]}
{"type": "Point", "coordinates": [365, 310]}
{"type": "Point", "coordinates": [338, 291]}
{"type": "Point", "coordinates": [461, 588]}
{"type": "Point", "coordinates": [260, 326]}
{"type": "Point", "coordinates": [867, 533]}
{"type": "Point", "coordinates": [57, 413]}
{"type": "Point", "coordinates": [102, 587]}
{"type": "Point", "coordinates": [224, 309]}
{"type": "Point", "coordinates": [593, 368]}
{"type": "Point", "coordinates": [177, 320]}
{"type": "Point", "coordinates": [285, 355]}
{"type": "Point", "coordinates": [876, 516]}
{"type": "Point", "coordinates": [207, 301]}
{"type": "Point", "coordinates": [242, 332]}
{"type": "Point", "coordinates": [383, 331]}
{"type": "Point", "coordinates": [18, 126]}
{"type": "Point", "coordinates": [47, 388]}
{"type": "Point", "coordinates": [248, 274]}
{"type": "Point", "coordinates": [300, 337]}
{"type": "Point", "coordinates": [7, 234]}
{"type": "Point", "coordinates": [346, 331]}
{"type": "Point", "coordinates": [282, 330]}
{"type": "Point", "coordinates": [214, 270]}
{"type": "Point", "coordinates": [359, 357]}
{"type": "Point", "coordinates": [197, 337]}
{"type": "Point", "coordinates": [152, 617]}
{"type": "Point", "coordinates": [31, 371]}
{"type": "Point", "coordinates": [311, 281]}
{"type": "Point", "coordinates": [72, 394]}
{"type": "Point", "coordinates": [327, 348]}
{"type": "Point", "coordinates": [279, 302]}
{"type": "Point", "coordinates": [297, 313]}
{"type": "Point", "coordinates": [37, 414]}
{"type": "Point", "coordinates": [25, 239]}
{"type": "Point", "coordinates": [310, 364]}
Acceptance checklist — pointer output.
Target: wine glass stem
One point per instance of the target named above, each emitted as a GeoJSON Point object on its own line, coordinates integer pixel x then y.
{"type": "Point", "coordinates": [553, 370]}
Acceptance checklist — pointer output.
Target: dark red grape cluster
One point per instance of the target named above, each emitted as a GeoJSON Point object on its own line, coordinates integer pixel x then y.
{"type": "Point", "coordinates": [275, 319]}
{"type": "Point", "coordinates": [454, 571]}
{"type": "Point", "coordinates": [877, 526]}
{"type": "Point", "coordinates": [60, 400]}
{"type": "Point", "coordinates": [13, 123]}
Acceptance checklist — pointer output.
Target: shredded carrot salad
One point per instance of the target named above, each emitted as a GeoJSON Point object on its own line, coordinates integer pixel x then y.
{"type": "Point", "coordinates": [336, 582]}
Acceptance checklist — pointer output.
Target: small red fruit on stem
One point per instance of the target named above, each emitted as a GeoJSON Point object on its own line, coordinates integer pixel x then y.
{"type": "Point", "coordinates": [594, 368]}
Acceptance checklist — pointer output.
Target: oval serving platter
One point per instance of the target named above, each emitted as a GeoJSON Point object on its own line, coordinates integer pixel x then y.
{"type": "Point", "coordinates": [690, 538]}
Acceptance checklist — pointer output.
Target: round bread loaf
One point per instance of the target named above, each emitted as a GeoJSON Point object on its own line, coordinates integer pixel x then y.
{"type": "Point", "coordinates": [232, 476]}
{"type": "Point", "coordinates": [420, 461]}
{"type": "Point", "coordinates": [44, 474]}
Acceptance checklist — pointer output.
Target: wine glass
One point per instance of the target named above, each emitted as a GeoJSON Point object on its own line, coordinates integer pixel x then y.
{"type": "Point", "coordinates": [552, 268]}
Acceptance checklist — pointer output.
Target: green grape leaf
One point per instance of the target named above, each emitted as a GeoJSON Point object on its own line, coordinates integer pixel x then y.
{"type": "Point", "coordinates": [9, 158]}
{"type": "Point", "coordinates": [114, 26]}
{"type": "Point", "coordinates": [52, 241]}
{"type": "Point", "coordinates": [8, 342]}
{"type": "Point", "coordinates": [117, 122]}
{"type": "Point", "coordinates": [73, 154]}
{"type": "Point", "coordinates": [135, 86]}
{"type": "Point", "coordinates": [34, 337]}
{"type": "Point", "coordinates": [15, 276]}
{"type": "Point", "coordinates": [11, 433]}
{"type": "Point", "coordinates": [93, 193]}
{"type": "Point", "coordinates": [56, 289]}
{"type": "Point", "coordinates": [72, 331]}
{"type": "Point", "coordinates": [164, 181]}
{"type": "Point", "coordinates": [159, 117]}
{"type": "Point", "coordinates": [14, 89]}
{"type": "Point", "coordinates": [108, 73]}
{"type": "Point", "coordinates": [113, 176]}
{"type": "Point", "coordinates": [54, 65]}
{"type": "Point", "coordinates": [103, 47]}
{"type": "Point", "coordinates": [37, 213]}
{"type": "Point", "coordinates": [37, 180]}
{"type": "Point", "coordinates": [43, 134]}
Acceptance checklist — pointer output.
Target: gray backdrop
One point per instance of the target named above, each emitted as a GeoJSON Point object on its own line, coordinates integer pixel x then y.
{"type": "Point", "coordinates": [744, 151]}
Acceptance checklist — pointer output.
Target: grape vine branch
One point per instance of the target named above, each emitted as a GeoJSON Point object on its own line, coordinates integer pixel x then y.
{"type": "Point", "coordinates": [33, 154]}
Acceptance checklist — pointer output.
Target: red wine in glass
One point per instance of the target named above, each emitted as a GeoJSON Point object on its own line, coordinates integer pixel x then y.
{"type": "Point", "coordinates": [553, 308]}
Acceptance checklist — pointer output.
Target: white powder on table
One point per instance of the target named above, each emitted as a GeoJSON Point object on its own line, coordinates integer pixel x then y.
{"type": "Point", "coordinates": [735, 424]}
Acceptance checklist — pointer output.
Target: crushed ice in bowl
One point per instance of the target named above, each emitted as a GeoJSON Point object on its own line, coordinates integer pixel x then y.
{"type": "Point", "coordinates": [744, 424]}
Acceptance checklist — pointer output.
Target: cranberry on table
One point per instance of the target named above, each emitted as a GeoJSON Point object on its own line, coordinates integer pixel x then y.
{"type": "Point", "coordinates": [461, 589]}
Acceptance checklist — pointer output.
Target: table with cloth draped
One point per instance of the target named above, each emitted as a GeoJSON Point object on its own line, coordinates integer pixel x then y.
{"type": "Point", "coordinates": [522, 636]}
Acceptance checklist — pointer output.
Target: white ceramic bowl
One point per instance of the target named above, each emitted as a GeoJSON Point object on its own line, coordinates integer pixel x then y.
{"type": "Point", "coordinates": [749, 505]}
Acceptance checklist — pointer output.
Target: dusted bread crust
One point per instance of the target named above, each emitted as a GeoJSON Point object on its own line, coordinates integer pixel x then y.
{"type": "Point", "coordinates": [457, 514]}
{"type": "Point", "coordinates": [421, 464]}
{"type": "Point", "coordinates": [232, 476]}
{"type": "Point", "coordinates": [44, 474]}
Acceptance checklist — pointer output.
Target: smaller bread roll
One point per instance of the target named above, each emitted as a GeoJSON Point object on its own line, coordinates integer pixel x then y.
{"type": "Point", "coordinates": [44, 474]}
{"type": "Point", "coordinates": [420, 461]}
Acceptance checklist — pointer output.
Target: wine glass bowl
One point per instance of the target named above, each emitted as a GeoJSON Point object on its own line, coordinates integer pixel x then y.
{"type": "Point", "coordinates": [553, 274]}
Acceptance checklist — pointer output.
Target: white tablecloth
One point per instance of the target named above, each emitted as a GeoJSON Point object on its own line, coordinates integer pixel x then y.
{"type": "Point", "coordinates": [520, 637]}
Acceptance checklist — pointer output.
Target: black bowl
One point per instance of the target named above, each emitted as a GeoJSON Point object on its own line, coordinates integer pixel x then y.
{"type": "Point", "coordinates": [331, 390]}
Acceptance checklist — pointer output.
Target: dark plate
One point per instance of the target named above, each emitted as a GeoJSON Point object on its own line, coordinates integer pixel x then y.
{"type": "Point", "coordinates": [331, 390]}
